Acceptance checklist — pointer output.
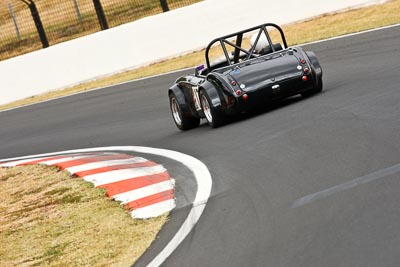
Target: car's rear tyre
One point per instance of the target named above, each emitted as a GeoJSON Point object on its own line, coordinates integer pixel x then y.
{"type": "Point", "coordinates": [315, 90]}
{"type": "Point", "coordinates": [183, 123]}
{"type": "Point", "coordinates": [214, 117]}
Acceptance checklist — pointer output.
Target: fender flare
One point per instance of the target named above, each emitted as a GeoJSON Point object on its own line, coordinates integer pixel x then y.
{"type": "Point", "coordinates": [314, 61]}
{"type": "Point", "coordinates": [213, 93]}
{"type": "Point", "coordinates": [180, 97]}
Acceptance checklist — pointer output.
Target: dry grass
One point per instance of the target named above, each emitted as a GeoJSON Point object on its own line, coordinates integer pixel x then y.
{"type": "Point", "coordinates": [61, 22]}
{"type": "Point", "coordinates": [344, 23]}
{"type": "Point", "coordinates": [50, 219]}
{"type": "Point", "coordinates": [298, 33]}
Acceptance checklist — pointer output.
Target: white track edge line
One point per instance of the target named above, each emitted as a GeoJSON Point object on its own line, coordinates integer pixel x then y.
{"type": "Point", "coordinates": [350, 34]}
{"type": "Point", "coordinates": [200, 172]}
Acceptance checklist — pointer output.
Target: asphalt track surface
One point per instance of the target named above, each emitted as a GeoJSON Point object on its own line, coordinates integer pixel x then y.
{"type": "Point", "coordinates": [309, 182]}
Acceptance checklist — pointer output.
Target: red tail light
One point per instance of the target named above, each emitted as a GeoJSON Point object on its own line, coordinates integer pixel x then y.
{"type": "Point", "coordinates": [245, 97]}
{"type": "Point", "coordinates": [233, 83]}
{"type": "Point", "coordinates": [238, 92]}
{"type": "Point", "coordinates": [304, 78]}
{"type": "Point", "coordinates": [306, 70]}
{"type": "Point", "coordinates": [303, 61]}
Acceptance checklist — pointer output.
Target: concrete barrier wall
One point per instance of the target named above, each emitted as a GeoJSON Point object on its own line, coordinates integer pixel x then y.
{"type": "Point", "coordinates": [148, 40]}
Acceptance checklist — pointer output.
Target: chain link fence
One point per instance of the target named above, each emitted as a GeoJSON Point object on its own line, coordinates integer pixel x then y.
{"type": "Point", "coordinates": [28, 25]}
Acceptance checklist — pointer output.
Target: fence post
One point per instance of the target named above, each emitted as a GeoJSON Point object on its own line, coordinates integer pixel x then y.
{"type": "Point", "coordinates": [78, 12]}
{"type": "Point", "coordinates": [100, 14]}
{"type": "Point", "coordinates": [164, 5]}
{"type": "Point", "coordinates": [38, 23]}
{"type": "Point", "coordinates": [14, 18]}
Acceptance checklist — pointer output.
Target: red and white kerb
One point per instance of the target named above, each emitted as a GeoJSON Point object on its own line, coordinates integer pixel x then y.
{"type": "Point", "coordinates": [142, 186]}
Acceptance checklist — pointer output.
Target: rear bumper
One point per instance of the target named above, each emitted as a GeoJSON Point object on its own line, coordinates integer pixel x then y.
{"type": "Point", "coordinates": [279, 90]}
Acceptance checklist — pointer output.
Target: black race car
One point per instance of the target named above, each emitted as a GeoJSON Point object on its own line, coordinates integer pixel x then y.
{"type": "Point", "coordinates": [243, 79]}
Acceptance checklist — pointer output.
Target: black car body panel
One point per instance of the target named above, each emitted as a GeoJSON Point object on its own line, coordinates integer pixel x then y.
{"type": "Point", "coordinates": [244, 78]}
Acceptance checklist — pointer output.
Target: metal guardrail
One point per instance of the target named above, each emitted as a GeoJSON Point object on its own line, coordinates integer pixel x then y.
{"type": "Point", "coordinates": [28, 25]}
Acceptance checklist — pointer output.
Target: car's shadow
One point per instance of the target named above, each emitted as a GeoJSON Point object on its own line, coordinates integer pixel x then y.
{"type": "Point", "coordinates": [275, 105]}
{"type": "Point", "coordinates": [259, 111]}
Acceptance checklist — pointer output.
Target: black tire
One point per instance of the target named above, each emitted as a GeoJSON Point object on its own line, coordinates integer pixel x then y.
{"type": "Point", "coordinates": [183, 123]}
{"type": "Point", "coordinates": [214, 117]}
{"type": "Point", "coordinates": [315, 90]}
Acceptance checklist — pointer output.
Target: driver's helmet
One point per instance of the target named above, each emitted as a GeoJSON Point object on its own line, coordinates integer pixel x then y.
{"type": "Point", "coordinates": [261, 44]}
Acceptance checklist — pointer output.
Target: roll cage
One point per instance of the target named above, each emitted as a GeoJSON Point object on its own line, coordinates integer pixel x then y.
{"type": "Point", "coordinates": [238, 44]}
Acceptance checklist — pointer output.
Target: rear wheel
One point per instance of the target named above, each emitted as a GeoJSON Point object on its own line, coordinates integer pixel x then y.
{"type": "Point", "coordinates": [183, 123]}
{"type": "Point", "coordinates": [214, 117]}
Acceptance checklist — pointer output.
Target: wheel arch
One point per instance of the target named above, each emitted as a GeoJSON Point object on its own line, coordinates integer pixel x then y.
{"type": "Point", "coordinates": [315, 63]}
{"type": "Point", "coordinates": [181, 99]}
{"type": "Point", "coordinates": [213, 93]}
